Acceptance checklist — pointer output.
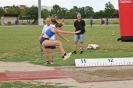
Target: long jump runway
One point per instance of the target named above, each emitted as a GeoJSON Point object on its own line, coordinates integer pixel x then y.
{"type": "Point", "coordinates": [36, 75]}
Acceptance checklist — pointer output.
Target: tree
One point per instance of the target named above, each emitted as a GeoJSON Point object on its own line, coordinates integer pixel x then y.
{"type": "Point", "coordinates": [89, 11]}
{"type": "Point", "coordinates": [85, 11]}
{"type": "Point", "coordinates": [99, 14]}
{"type": "Point", "coordinates": [23, 13]}
{"type": "Point", "coordinates": [63, 13]}
{"type": "Point", "coordinates": [33, 12]}
{"type": "Point", "coordinates": [71, 14]}
{"type": "Point", "coordinates": [82, 11]}
{"type": "Point", "coordinates": [45, 13]}
{"type": "Point", "coordinates": [109, 9]}
{"type": "Point", "coordinates": [55, 11]}
{"type": "Point", "coordinates": [13, 10]}
{"type": "Point", "coordinates": [76, 9]}
{"type": "Point", "coordinates": [116, 14]}
{"type": "Point", "coordinates": [1, 11]}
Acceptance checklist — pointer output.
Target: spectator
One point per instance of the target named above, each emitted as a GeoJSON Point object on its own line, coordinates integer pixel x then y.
{"type": "Point", "coordinates": [107, 22]}
{"type": "Point", "coordinates": [101, 23]}
{"type": "Point", "coordinates": [91, 21]}
{"type": "Point", "coordinates": [79, 24]}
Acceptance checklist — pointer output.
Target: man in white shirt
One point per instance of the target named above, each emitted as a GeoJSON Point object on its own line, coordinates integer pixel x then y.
{"type": "Point", "coordinates": [48, 49]}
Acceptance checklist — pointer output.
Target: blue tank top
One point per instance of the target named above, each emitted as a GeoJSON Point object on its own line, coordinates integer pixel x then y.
{"type": "Point", "coordinates": [49, 33]}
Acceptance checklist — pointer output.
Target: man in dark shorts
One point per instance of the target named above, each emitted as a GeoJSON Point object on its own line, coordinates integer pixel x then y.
{"type": "Point", "coordinates": [79, 24]}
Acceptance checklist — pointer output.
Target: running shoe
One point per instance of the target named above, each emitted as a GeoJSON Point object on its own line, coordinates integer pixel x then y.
{"type": "Point", "coordinates": [67, 56]}
{"type": "Point", "coordinates": [51, 62]}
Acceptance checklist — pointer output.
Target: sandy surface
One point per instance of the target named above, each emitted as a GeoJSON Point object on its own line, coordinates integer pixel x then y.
{"type": "Point", "coordinates": [74, 84]}
{"type": "Point", "coordinates": [102, 73]}
{"type": "Point", "coordinates": [23, 66]}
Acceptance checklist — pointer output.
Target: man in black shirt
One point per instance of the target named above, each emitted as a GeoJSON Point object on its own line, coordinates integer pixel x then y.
{"type": "Point", "coordinates": [79, 24]}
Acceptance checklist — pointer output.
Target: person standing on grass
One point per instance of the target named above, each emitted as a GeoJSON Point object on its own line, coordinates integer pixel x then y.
{"type": "Point", "coordinates": [45, 39]}
{"type": "Point", "coordinates": [101, 22]}
{"type": "Point", "coordinates": [107, 22]}
{"type": "Point", "coordinates": [91, 22]}
{"type": "Point", "coordinates": [49, 50]}
{"type": "Point", "coordinates": [79, 24]}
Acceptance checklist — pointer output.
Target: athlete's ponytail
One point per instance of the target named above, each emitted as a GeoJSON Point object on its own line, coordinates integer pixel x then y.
{"type": "Point", "coordinates": [58, 25]}
{"type": "Point", "coordinates": [53, 20]}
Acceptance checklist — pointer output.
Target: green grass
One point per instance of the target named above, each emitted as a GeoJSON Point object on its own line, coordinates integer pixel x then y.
{"type": "Point", "coordinates": [19, 44]}
{"type": "Point", "coordinates": [29, 84]}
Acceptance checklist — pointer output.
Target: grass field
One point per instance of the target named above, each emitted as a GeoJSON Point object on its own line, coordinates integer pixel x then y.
{"type": "Point", "coordinates": [20, 43]}
{"type": "Point", "coordinates": [29, 84]}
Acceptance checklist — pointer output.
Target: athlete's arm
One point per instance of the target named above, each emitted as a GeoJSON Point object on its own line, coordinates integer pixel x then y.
{"type": "Point", "coordinates": [62, 37]}
{"type": "Point", "coordinates": [68, 32]}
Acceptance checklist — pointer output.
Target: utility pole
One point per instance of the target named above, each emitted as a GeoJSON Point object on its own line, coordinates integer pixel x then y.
{"type": "Point", "coordinates": [40, 20]}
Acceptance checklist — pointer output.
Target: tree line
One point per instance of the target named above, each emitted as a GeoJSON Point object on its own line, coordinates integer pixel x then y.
{"type": "Point", "coordinates": [59, 12]}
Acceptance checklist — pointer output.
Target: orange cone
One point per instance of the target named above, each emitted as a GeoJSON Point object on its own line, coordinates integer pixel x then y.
{"type": "Point", "coordinates": [113, 33]}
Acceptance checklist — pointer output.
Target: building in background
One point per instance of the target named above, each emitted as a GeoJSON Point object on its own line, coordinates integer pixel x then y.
{"type": "Point", "coordinates": [10, 19]}
{"type": "Point", "coordinates": [22, 6]}
{"type": "Point", "coordinates": [46, 7]}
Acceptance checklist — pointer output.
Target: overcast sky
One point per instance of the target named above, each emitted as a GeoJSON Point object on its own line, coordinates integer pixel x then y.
{"type": "Point", "coordinates": [96, 4]}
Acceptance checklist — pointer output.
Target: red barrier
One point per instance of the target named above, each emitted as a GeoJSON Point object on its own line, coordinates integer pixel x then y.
{"type": "Point", "coordinates": [126, 20]}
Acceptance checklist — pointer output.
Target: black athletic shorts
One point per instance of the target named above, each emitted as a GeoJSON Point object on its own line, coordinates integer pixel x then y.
{"type": "Point", "coordinates": [46, 47]}
{"type": "Point", "coordinates": [50, 47]}
{"type": "Point", "coordinates": [43, 39]}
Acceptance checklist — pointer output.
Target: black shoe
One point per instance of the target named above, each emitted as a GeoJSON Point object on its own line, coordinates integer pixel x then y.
{"type": "Point", "coordinates": [81, 52]}
{"type": "Point", "coordinates": [74, 52]}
